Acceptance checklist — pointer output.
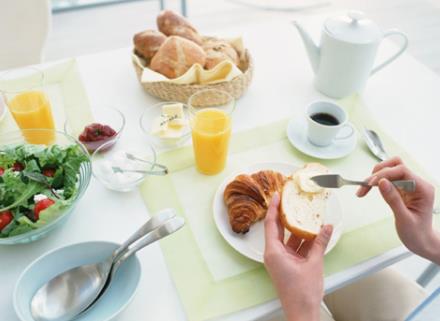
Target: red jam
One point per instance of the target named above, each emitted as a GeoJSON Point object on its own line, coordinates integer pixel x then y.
{"type": "Point", "coordinates": [95, 135]}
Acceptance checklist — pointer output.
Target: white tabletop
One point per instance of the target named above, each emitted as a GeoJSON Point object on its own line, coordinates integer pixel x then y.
{"type": "Point", "coordinates": [404, 97]}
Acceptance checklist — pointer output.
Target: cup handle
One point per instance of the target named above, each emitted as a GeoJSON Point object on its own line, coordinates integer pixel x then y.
{"type": "Point", "coordinates": [397, 54]}
{"type": "Point", "coordinates": [350, 133]}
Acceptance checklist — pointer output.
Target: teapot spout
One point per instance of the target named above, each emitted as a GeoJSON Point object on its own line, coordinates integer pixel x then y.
{"type": "Point", "coordinates": [312, 49]}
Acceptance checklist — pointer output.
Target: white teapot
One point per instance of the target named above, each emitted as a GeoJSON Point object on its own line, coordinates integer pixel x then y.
{"type": "Point", "coordinates": [344, 60]}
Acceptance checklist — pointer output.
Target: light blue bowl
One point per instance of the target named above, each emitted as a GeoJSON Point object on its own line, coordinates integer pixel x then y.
{"type": "Point", "coordinates": [114, 300]}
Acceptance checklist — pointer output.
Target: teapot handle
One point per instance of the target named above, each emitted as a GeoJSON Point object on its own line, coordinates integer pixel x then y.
{"type": "Point", "coordinates": [403, 47]}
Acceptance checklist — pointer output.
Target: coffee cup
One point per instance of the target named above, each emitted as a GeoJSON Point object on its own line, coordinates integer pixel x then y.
{"type": "Point", "coordinates": [327, 122]}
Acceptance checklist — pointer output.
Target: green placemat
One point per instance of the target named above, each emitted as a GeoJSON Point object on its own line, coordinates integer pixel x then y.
{"type": "Point", "coordinates": [204, 296]}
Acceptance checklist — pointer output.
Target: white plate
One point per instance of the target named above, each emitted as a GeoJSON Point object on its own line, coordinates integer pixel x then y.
{"type": "Point", "coordinates": [297, 135]}
{"type": "Point", "coordinates": [252, 243]}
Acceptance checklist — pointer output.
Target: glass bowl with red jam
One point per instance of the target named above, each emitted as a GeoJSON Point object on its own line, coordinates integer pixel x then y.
{"type": "Point", "coordinates": [107, 125]}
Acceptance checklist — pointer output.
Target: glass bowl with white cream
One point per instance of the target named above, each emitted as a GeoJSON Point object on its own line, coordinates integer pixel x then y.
{"type": "Point", "coordinates": [166, 124]}
{"type": "Point", "coordinates": [122, 169]}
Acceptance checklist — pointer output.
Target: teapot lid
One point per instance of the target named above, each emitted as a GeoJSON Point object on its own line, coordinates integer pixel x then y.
{"type": "Point", "coordinates": [353, 27]}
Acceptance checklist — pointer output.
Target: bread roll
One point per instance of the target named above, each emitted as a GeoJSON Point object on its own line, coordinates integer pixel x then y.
{"type": "Point", "coordinates": [173, 24]}
{"type": "Point", "coordinates": [303, 203]}
{"type": "Point", "coordinates": [148, 42]}
{"type": "Point", "coordinates": [218, 51]}
{"type": "Point", "coordinates": [176, 56]}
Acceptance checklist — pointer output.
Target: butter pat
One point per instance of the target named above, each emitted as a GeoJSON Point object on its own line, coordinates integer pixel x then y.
{"type": "Point", "coordinates": [175, 114]}
{"type": "Point", "coordinates": [171, 124]}
{"type": "Point", "coordinates": [305, 184]}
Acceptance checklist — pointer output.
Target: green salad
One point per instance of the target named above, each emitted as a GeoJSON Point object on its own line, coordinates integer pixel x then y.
{"type": "Point", "coordinates": [36, 184]}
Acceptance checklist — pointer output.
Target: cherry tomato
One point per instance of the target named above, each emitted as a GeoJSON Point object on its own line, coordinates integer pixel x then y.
{"type": "Point", "coordinates": [5, 218]}
{"type": "Point", "coordinates": [49, 172]}
{"type": "Point", "coordinates": [41, 206]}
{"type": "Point", "coordinates": [2, 171]}
{"type": "Point", "coordinates": [17, 167]}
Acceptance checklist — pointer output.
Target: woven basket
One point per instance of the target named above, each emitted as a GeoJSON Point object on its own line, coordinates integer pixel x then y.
{"type": "Point", "coordinates": [178, 92]}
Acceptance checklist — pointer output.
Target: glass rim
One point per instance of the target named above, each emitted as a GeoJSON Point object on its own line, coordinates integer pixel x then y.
{"type": "Point", "coordinates": [194, 110]}
{"type": "Point", "coordinates": [106, 107]}
{"type": "Point", "coordinates": [35, 70]}
{"type": "Point", "coordinates": [20, 132]}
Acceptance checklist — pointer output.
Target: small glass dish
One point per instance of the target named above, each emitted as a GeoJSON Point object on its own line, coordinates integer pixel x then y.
{"type": "Point", "coordinates": [109, 116]}
{"type": "Point", "coordinates": [148, 118]}
{"type": "Point", "coordinates": [122, 170]}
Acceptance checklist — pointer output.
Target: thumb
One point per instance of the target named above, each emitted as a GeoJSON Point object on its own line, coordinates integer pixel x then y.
{"type": "Point", "coordinates": [321, 241]}
{"type": "Point", "coordinates": [392, 196]}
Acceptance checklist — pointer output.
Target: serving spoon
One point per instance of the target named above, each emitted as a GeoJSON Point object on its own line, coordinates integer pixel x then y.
{"type": "Point", "coordinates": [72, 292]}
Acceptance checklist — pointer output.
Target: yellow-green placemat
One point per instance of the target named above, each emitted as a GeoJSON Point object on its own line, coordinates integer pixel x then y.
{"type": "Point", "coordinates": [203, 295]}
{"type": "Point", "coordinates": [67, 96]}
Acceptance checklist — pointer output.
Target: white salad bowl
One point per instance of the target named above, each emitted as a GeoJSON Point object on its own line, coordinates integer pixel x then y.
{"type": "Point", "coordinates": [59, 138]}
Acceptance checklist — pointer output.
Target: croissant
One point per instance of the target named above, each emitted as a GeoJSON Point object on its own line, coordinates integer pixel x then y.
{"type": "Point", "coordinates": [247, 198]}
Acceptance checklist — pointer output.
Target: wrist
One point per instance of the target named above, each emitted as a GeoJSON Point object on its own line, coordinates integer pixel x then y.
{"type": "Point", "coordinates": [309, 316]}
{"type": "Point", "coordinates": [433, 248]}
{"type": "Point", "coordinates": [303, 312]}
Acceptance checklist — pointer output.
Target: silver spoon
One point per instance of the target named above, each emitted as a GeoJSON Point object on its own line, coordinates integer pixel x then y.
{"type": "Point", "coordinates": [117, 169]}
{"type": "Point", "coordinates": [166, 229]}
{"type": "Point", "coordinates": [134, 158]}
{"type": "Point", "coordinates": [71, 292]}
{"type": "Point", "coordinates": [375, 144]}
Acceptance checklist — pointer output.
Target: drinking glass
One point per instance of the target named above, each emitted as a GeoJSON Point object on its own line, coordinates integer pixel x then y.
{"type": "Point", "coordinates": [24, 94]}
{"type": "Point", "coordinates": [210, 119]}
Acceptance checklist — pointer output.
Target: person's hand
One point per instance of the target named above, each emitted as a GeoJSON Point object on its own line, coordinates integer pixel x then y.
{"type": "Point", "coordinates": [296, 268]}
{"type": "Point", "coordinates": [412, 211]}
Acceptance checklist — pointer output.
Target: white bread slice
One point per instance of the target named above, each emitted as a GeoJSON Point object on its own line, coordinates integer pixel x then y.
{"type": "Point", "coordinates": [302, 212]}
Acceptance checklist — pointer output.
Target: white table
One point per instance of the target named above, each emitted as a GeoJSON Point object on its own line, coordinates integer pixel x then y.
{"type": "Point", "coordinates": [404, 97]}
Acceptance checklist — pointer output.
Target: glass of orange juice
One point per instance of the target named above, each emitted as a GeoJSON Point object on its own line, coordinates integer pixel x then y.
{"type": "Point", "coordinates": [210, 119]}
{"type": "Point", "coordinates": [24, 94]}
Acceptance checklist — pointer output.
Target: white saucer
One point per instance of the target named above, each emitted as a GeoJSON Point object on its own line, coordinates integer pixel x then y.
{"type": "Point", "coordinates": [297, 135]}
{"type": "Point", "coordinates": [252, 243]}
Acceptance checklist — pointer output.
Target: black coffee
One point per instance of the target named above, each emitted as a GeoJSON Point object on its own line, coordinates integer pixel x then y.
{"type": "Point", "coordinates": [325, 119]}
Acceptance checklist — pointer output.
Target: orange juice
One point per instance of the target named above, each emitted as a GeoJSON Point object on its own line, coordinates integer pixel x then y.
{"type": "Point", "coordinates": [211, 129]}
{"type": "Point", "coordinates": [31, 110]}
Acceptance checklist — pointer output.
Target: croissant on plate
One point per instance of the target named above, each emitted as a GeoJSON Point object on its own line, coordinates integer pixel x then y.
{"type": "Point", "coordinates": [247, 198]}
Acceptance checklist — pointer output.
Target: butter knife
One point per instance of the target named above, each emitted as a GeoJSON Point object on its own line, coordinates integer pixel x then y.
{"type": "Point", "coordinates": [337, 181]}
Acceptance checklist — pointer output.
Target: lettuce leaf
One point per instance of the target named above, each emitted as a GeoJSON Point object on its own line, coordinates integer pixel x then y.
{"type": "Point", "coordinates": [51, 213]}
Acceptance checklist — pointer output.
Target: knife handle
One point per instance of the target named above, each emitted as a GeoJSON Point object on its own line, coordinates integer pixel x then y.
{"type": "Point", "coordinates": [406, 185]}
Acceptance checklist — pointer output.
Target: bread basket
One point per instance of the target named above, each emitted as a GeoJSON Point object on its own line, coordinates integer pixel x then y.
{"type": "Point", "coordinates": [181, 92]}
